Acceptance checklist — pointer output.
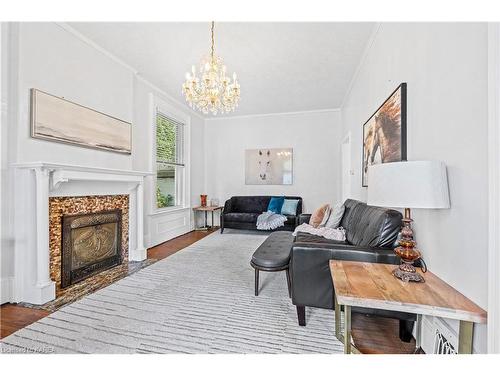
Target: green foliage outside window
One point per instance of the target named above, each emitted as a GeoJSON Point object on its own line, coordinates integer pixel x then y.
{"type": "Point", "coordinates": [166, 139]}
{"type": "Point", "coordinates": [163, 200]}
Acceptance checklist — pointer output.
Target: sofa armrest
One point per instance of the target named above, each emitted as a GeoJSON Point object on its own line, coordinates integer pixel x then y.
{"type": "Point", "coordinates": [310, 269]}
{"type": "Point", "coordinates": [227, 207]}
{"type": "Point", "coordinates": [304, 218]}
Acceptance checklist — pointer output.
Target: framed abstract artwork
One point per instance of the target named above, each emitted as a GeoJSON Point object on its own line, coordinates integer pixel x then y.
{"type": "Point", "coordinates": [384, 134]}
{"type": "Point", "coordinates": [269, 166]}
{"type": "Point", "coordinates": [57, 119]}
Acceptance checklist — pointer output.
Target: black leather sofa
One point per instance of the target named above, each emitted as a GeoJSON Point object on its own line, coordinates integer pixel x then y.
{"type": "Point", "coordinates": [371, 233]}
{"type": "Point", "coordinates": [241, 213]}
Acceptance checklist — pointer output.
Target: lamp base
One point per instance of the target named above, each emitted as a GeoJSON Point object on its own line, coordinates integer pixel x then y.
{"type": "Point", "coordinates": [406, 275]}
{"type": "Point", "coordinates": [407, 252]}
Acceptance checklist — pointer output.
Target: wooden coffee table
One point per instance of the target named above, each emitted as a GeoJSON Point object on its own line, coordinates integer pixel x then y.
{"type": "Point", "coordinates": [372, 285]}
{"type": "Point", "coordinates": [206, 209]}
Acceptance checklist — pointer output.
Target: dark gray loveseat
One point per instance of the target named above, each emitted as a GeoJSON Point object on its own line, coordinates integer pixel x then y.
{"type": "Point", "coordinates": [241, 212]}
{"type": "Point", "coordinates": [371, 234]}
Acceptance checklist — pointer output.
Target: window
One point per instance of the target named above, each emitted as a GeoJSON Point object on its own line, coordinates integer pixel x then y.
{"type": "Point", "coordinates": [170, 167]}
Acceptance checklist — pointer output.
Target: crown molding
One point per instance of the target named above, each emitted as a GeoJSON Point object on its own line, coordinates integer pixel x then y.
{"type": "Point", "coordinates": [134, 71]}
{"type": "Point", "coordinates": [368, 48]}
{"type": "Point", "coordinates": [274, 114]}
{"type": "Point", "coordinates": [91, 43]}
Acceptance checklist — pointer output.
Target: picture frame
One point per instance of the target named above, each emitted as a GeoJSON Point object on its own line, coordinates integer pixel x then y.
{"type": "Point", "coordinates": [269, 166]}
{"type": "Point", "coordinates": [384, 133]}
{"type": "Point", "coordinates": [59, 120]}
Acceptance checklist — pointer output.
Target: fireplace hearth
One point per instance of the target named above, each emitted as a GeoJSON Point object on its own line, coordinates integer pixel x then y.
{"type": "Point", "coordinates": [91, 243]}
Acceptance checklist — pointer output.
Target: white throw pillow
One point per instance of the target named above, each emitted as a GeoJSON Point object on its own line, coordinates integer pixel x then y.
{"type": "Point", "coordinates": [335, 216]}
{"type": "Point", "coordinates": [328, 212]}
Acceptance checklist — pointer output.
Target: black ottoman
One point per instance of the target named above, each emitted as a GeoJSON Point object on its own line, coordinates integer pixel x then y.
{"type": "Point", "coordinates": [273, 255]}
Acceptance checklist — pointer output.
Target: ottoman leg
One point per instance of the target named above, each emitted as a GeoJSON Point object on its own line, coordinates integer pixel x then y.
{"type": "Point", "coordinates": [256, 282]}
{"type": "Point", "coordinates": [288, 283]}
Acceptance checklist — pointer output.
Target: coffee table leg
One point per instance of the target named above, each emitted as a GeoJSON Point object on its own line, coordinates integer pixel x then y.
{"type": "Point", "coordinates": [465, 337]}
{"type": "Point", "coordinates": [347, 330]}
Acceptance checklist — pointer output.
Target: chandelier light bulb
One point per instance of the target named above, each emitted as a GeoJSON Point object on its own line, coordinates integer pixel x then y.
{"type": "Point", "coordinates": [213, 92]}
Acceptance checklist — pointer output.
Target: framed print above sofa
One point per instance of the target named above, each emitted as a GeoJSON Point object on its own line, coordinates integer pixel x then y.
{"type": "Point", "coordinates": [269, 166]}
{"type": "Point", "coordinates": [384, 134]}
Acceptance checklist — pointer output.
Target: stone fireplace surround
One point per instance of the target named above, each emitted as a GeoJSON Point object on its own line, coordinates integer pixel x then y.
{"type": "Point", "coordinates": [61, 206]}
{"type": "Point", "coordinates": [37, 186]}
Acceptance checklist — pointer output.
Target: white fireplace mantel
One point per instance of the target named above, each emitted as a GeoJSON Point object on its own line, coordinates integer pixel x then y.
{"type": "Point", "coordinates": [48, 180]}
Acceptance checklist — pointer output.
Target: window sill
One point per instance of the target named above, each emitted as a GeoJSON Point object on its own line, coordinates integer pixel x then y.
{"type": "Point", "coordinates": [169, 210]}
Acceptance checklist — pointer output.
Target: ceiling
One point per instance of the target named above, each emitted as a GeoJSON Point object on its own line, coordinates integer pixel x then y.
{"type": "Point", "coordinates": [282, 67]}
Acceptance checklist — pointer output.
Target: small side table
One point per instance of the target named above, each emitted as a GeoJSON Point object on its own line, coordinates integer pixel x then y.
{"type": "Point", "coordinates": [372, 285]}
{"type": "Point", "coordinates": [206, 209]}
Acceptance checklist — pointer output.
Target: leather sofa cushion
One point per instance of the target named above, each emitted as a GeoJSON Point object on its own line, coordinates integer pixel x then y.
{"type": "Point", "coordinates": [316, 240]}
{"type": "Point", "coordinates": [370, 225]}
{"type": "Point", "coordinates": [255, 204]}
{"type": "Point", "coordinates": [241, 217]}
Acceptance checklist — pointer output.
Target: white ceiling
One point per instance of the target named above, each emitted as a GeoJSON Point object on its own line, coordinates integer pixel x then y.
{"type": "Point", "coordinates": [282, 67]}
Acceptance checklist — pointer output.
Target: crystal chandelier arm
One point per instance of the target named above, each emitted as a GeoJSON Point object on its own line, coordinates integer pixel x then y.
{"type": "Point", "coordinates": [213, 42]}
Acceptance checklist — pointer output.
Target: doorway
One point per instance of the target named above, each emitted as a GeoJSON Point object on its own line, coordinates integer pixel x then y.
{"type": "Point", "coordinates": [346, 167]}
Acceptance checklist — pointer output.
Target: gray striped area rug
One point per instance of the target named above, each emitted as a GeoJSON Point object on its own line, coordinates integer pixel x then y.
{"type": "Point", "coordinates": [199, 300]}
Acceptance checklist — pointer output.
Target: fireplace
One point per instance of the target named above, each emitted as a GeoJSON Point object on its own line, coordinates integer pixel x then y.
{"type": "Point", "coordinates": [91, 243]}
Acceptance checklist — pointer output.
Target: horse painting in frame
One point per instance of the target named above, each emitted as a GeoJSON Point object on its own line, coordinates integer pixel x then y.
{"type": "Point", "coordinates": [384, 134]}
{"type": "Point", "coordinates": [269, 166]}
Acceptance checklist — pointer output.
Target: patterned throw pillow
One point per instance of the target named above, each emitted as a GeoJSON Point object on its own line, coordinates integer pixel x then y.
{"type": "Point", "coordinates": [317, 216]}
{"type": "Point", "coordinates": [335, 216]}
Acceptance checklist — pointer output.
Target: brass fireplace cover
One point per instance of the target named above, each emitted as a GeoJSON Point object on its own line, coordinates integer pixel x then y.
{"type": "Point", "coordinates": [91, 243]}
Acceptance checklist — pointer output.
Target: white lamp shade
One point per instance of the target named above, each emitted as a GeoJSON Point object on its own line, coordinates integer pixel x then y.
{"type": "Point", "coordinates": [408, 184]}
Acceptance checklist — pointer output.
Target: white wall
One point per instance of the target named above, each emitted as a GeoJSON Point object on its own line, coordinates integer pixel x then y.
{"type": "Point", "coordinates": [5, 272]}
{"type": "Point", "coordinates": [54, 59]}
{"type": "Point", "coordinates": [314, 137]}
{"type": "Point", "coordinates": [445, 66]}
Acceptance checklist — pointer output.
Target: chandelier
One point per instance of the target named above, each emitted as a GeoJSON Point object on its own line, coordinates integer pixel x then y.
{"type": "Point", "coordinates": [213, 91]}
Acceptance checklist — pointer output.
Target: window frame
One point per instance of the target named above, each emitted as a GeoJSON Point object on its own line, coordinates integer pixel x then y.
{"type": "Point", "coordinates": [182, 187]}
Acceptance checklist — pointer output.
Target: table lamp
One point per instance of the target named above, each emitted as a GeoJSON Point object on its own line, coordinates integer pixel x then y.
{"type": "Point", "coordinates": [408, 184]}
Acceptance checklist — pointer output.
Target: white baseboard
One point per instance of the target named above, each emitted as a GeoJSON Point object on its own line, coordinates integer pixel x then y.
{"type": "Point", "coordinates": [6, 289]}
{"type": "Point", "coordinates": [137, 254]}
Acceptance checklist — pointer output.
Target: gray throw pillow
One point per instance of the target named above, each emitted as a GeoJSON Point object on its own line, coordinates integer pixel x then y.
{"type": "Point", "coordinates": [335, 216]}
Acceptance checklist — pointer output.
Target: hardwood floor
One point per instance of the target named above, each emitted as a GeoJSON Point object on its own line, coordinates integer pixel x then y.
{"type": "Point", "coordinates": [174, 245]}
{"type": "Point", "coordinates": [13, 318]}
{"type": "Point", "coordinates": [370, 334]}
{"type": "Point", "coordinates": [377, 335]}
